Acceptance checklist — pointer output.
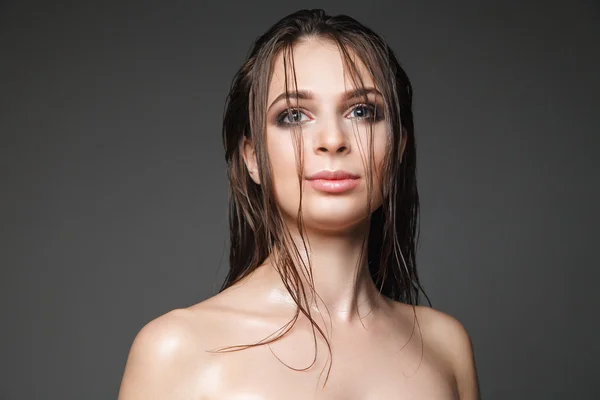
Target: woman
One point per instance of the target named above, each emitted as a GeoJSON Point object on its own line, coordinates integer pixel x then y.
{"type": "Point", "coordinates": [322, 293]}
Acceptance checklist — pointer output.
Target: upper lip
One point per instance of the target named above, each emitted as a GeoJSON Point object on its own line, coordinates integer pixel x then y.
{"type": "Point", "coordinates": [332, 175]}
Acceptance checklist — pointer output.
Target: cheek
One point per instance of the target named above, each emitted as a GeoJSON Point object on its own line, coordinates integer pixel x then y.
{"type": "Point", "coordinates": [379, 146]}
{"type": "Point", "coordinates": [282, 156]}
{"type": "Point", "coordinates": [379, 150]}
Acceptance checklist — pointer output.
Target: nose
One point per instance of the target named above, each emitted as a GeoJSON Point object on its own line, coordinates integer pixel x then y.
{"type": "Point", "coordinates": [331, 138]}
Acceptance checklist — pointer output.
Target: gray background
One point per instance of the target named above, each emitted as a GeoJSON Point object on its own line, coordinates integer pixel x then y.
{"type": "Point", "coordinates": [113, 201]}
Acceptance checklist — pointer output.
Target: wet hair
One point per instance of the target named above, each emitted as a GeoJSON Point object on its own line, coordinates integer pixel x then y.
{"type": "Point", "coordinates": [257, 228]}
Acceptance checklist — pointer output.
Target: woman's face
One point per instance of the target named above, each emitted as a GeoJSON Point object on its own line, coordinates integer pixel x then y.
{"type": "Point", "coordinates": [335, 138]}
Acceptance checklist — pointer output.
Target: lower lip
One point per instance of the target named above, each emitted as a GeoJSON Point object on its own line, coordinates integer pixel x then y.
{"type": "Point", "coordinates": [334, 185]}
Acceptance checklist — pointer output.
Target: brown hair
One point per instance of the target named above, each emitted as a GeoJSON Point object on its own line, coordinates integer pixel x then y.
{"type": "Point", "coordinates": [256, 225]}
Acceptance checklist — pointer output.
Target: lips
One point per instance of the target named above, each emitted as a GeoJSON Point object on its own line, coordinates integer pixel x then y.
{"type": "Point", "coordinates": [332, 175]}
{"type": "Point", "coordinates": [333, 181]}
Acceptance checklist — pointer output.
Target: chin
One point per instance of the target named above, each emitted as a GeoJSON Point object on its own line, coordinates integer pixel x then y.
{"type": "Point", "coordinates": [332, 213]}
{"type": "Point", "coordinates": [333, 226]}
{"type": "Point", "coordinates": [335, 216]}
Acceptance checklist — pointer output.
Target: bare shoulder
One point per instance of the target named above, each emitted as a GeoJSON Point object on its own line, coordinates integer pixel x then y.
{"type": "Point", "coordinates": [451, 341]}
{"type": "Point", "coordinates": [166, 356]}
{"type": "Point", "coordinates": [444, 329]}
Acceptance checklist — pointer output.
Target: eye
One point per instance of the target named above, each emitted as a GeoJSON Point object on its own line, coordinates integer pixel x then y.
{"type": "Point", "coordinates": [292, 116]}
{"type": "Point", "coordinates": [364, 111]}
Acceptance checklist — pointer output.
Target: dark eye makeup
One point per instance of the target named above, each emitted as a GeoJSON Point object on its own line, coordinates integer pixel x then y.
{"type": "Point", "coordinates": [363, 111]}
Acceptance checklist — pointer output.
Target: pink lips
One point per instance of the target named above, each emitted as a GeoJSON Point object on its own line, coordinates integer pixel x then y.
{"type": "Point", "coordinates": [333, 181]}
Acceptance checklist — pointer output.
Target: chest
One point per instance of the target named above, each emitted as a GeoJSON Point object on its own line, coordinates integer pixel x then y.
{"type": "Point", "coordinates": [360, 370]}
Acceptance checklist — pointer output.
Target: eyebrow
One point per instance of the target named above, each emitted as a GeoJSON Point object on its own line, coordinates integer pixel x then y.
{"type": "Point", "coordinates": [308, 95]}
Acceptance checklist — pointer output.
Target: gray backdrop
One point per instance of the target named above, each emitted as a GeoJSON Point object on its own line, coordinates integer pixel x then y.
{"type": "Point", "coordinates": [113, 202]}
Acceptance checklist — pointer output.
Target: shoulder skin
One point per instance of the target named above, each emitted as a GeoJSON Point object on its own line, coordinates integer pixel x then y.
{"type": "Point", "coordinates": [163, 359]}
{"type": "Point", "coordinates": [453, 343]}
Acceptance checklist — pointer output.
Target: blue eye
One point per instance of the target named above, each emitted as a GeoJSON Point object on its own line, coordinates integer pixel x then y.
{"type": "Point", "coordinates": [364, 111]}
{"type": "Point", "coordinates": [293, 116]}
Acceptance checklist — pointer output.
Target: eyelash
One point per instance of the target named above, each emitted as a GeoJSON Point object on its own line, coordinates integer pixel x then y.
{"type": "Point", "coordinates": [371, 108]}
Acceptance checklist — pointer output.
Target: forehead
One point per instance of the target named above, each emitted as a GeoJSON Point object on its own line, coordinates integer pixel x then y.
{"type": "Point", "coordinates": [318, 67]}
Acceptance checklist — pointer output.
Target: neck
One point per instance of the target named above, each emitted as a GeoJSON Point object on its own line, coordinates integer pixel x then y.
{"type": "Point", "coordinates": [336, 266]}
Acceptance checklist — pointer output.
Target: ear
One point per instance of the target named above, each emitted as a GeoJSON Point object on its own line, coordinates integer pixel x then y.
{"type": "Point", "coordinates": [250, 159]}
{"type": "Point", "coordinates": [403, 144]}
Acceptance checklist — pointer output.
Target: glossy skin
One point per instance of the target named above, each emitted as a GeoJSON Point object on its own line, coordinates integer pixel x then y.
{"type": "Point", "coordinates": [379, 351]}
